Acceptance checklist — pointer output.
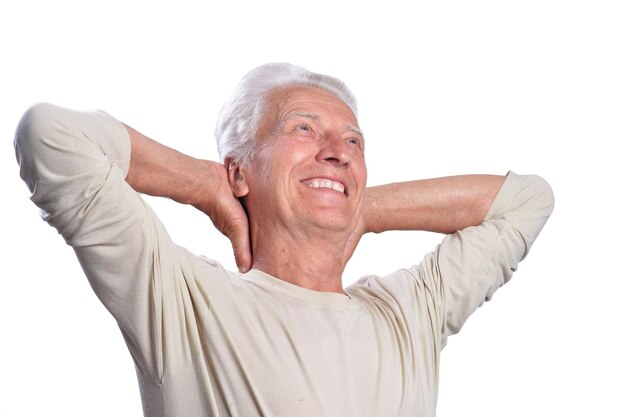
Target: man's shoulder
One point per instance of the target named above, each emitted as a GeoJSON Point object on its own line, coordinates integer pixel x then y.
{"type": "Point", "coordinates": [398, 286]}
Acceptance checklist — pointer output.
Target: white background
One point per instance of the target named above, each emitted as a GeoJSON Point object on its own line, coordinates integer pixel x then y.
{"type": "Point", "coordinates": [444, 88]}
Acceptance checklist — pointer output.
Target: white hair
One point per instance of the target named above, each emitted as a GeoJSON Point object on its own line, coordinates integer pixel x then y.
{"type": "Point", "coordinates": [241, 115]}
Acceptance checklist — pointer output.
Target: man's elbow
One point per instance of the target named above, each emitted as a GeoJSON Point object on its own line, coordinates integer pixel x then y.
{"type": "Point", "coordinates": [538, 208]}
{"type": "Point", "coordinates": [544, 195]}
{"type": "Point", "coordinates": [34, 125]}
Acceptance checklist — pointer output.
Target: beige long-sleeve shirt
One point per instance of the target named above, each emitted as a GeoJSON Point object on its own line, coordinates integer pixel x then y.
{"type": "Point", "coordinates": [210, 342]}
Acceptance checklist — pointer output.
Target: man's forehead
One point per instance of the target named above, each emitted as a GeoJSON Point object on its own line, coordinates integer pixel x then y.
{"type": "Point", "coordinates": [297, 98]}
{"type": "Point", "coordinates": [303, 95]}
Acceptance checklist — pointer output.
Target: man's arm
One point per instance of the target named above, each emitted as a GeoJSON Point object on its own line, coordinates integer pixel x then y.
{"type": "Point", "coordinates": [499, 221]}
{"type": "Point", "coordinates": [79, 170]}
{"type": "Point", "coordinates": [48, 142]}
{"type": "Point", "coordinates": [161, 171]}
{"type": "Point", "coordinates": [443, 205]}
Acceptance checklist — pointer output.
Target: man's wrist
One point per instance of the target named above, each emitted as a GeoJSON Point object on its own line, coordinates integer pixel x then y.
{"type": "Point", "coordinates": [370, 216]}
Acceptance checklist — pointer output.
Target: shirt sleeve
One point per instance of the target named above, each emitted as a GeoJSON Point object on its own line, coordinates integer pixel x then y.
{"type": "Point", "coordinates": [75, 165]}
{"type": "Point", "coordinates": [474, 262]}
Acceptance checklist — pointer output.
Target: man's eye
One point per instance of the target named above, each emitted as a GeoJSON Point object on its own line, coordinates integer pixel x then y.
{"type": "Point", "coordinates": [304, 128]}
{"type": "Point", "coordinates": [353, 141]}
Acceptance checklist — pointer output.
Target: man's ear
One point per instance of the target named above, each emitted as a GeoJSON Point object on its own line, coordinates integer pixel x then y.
{"type": "Point", "coordinates": [236, 178]}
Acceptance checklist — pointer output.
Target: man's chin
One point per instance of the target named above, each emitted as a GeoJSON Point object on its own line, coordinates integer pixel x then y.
{"type": "Point", "coordinates": [333, 223]}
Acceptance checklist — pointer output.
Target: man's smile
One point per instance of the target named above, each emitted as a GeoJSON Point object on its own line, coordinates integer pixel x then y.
{"type": "Point", "coordinates": [326, 183]}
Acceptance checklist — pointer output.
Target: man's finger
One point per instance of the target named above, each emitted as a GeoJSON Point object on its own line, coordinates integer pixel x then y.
{"type": "Point", "coordinates": [240, 239]}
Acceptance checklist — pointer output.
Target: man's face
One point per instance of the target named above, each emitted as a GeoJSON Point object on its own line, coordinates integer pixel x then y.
{"type": "Point", "coordinates": [308, 170]}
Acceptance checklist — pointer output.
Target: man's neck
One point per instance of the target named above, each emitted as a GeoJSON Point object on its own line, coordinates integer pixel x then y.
{"type": "Point", "coordinates": [312, 260]}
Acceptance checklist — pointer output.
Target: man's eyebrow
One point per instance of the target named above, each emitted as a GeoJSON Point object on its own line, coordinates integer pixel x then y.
{"type": "Point", "coordinates": [353, 128]}
{"type": "Point", "coordinates": [315, 116]}
{"type": "Point", "coordinates": [308, 115]}
{"type": "Point", "coordinates": [294, 115]}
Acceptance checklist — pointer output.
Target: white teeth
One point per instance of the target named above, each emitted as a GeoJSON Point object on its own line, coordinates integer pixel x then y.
{"type": "Point", "coordinates": [337, 187]}
{"type": "Point", "coordinates": [324, 183]}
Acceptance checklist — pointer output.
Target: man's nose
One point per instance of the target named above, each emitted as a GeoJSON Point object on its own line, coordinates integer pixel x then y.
{"type": "Point", "coordinates": [334, 150]}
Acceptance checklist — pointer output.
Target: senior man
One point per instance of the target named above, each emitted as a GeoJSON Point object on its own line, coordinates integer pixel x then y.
{"type": "Point", "coordinates": [281, 337]}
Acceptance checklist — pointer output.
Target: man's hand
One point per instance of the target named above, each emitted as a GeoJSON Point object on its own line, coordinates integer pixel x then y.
{"type": "Point", "coordinates": [158, 170]}
{"type": "Point", "coordinates": [361, 228]}
{"type": "Point", "coordinates": [228, 215]}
